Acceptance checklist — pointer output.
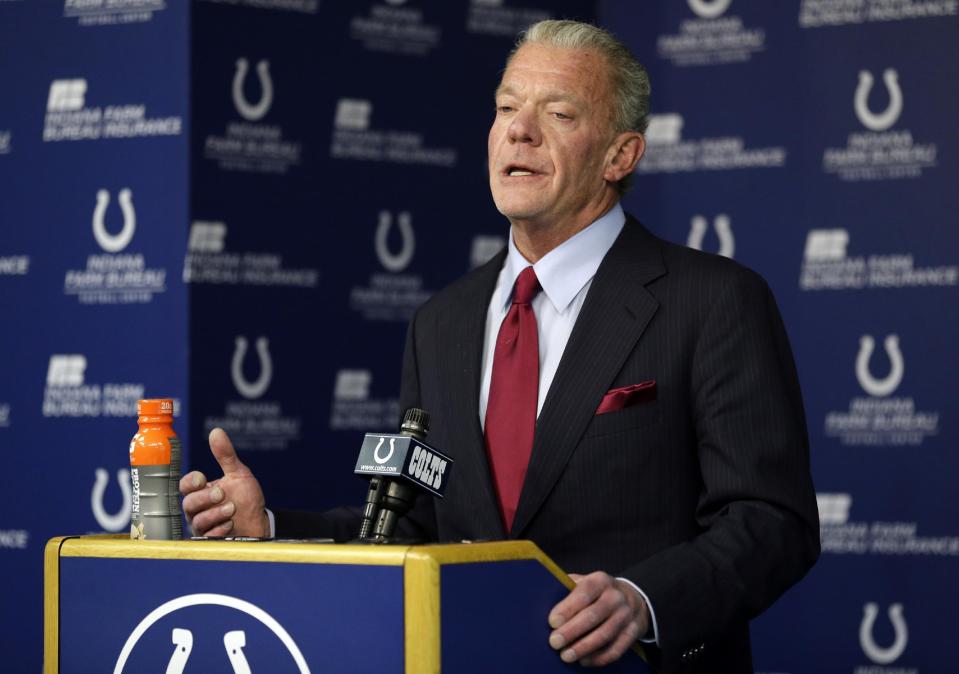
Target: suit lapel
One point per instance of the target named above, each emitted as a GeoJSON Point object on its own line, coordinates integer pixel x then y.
{"type": "Point", "coordinates": [459, 338]}
{"type": "Point", "coordinates": [616, 312]}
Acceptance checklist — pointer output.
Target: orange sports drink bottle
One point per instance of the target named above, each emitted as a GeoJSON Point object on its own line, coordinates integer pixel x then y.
{"type": "Point", "coordinates": [155, 455]}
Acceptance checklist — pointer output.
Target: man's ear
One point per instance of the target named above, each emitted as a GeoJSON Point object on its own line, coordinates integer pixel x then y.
{"type": "Point", "coordinates": [623, 155]}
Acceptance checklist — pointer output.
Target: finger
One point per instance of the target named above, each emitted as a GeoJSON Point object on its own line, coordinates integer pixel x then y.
{"type": "Point", "coordinates": [224, 453]}
{"type": "Point", "coordinates": [589, 620]}
{"type": "Point", "coordinates": [614, 650]}
{"type": "Point", "coordinates": [192, 482]}
{"type": "Point", "coordinates": [222, 530]}
{"type": "Point", "coordinates": [598, 639]}
{"type": "Point", "coordinates": [211, 518]}
{"type": "Point", "coordinates": [587, 590]}
{"type": "Point", "coordinates": [203, 499]}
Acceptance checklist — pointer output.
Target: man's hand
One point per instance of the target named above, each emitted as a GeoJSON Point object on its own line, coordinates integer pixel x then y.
{"type": "Point", "coordinates": [232, 505]}
{"type": "Point", "coordinates": [598, 621]}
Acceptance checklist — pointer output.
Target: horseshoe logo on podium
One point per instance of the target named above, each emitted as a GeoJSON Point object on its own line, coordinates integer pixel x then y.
{"type": "Point", "coordinates": [709, 9]}
{"type": "Point", "coordinates": [249, 111]}
{"type": "Point", "coordinates": [879, 388]}
{"type": "Point", "coordinates": [183, 640]}
{"type": "Point", "coordinates": [255, 389]}
{"type": "Point", "coordinates": [724, 230]}
{"type": "Point", "coordinates": [119, 520]}
{"type": "Point", "coordinates": [879, 655]}
{"type": "Point", "coordinates": [234, 642]}
{"type": "Point", "coordinates": [395, 261]}
{"type": "Point", "coordinates": [878, 121]}
{"type": "Point", "coordinates": [114, 243]}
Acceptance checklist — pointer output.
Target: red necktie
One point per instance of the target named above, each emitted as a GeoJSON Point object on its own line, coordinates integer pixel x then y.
{"type": "Point", "coordinates": [511, 408]}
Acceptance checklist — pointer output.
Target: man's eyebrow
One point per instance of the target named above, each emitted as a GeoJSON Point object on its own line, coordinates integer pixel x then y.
{"type": "Point", "coordinates": [555, 97]}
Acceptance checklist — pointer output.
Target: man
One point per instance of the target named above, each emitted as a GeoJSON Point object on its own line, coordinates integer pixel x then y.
{"type": "Point", "coordinates": [630, 405]}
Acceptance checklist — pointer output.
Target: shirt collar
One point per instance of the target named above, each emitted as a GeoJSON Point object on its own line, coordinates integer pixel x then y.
{"type": "Point", "coordinates": [564, 271]}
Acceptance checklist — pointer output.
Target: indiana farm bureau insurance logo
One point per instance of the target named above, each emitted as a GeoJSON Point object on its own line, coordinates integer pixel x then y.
{"type": "Point", "coordinates": [69, 116]}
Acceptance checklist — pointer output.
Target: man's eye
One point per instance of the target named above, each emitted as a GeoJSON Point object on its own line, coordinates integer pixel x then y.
{"type": "Point", "coordinates": [560, 115]}
{"type": "Point", "coordinates": [504, 108]}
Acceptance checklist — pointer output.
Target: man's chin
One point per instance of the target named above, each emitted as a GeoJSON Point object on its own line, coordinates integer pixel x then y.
{"type": "Point", "coordinates": [517, 210]}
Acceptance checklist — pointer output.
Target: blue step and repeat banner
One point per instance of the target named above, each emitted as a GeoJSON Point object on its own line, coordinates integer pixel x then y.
{"type": "Point", "coordinates": [239, 203]}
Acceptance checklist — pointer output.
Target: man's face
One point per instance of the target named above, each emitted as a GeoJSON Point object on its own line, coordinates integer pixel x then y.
{"type": "Point", "coordinates": [549, 141]}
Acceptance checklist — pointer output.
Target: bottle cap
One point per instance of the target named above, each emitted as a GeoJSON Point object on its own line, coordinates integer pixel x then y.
{"type": "Point", "coordinates": [154, 407]}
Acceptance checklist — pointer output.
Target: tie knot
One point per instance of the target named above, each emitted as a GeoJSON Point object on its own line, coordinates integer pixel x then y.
{"type": "Point", "coordinates": [527, 285]}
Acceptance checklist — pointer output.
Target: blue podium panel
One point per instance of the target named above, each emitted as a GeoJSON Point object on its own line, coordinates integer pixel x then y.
{"type": "Point", "coordinates": [496, 637]}
{"type": "Point", "coordinates": [186, 615]}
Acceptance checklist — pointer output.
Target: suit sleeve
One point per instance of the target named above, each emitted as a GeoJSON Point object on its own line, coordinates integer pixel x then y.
{"type": "Point", "coordinates": [757, 510]}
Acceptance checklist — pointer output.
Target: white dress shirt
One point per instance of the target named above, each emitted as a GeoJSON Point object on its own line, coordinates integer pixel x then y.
{"type": "Point", "coordinates": [565, 274]}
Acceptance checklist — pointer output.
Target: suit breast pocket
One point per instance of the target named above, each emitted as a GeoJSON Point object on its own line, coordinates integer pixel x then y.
{"type": "Point", "coordinates": [632, 418]}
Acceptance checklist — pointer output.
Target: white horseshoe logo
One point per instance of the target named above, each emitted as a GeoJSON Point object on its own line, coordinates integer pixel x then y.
{"type": "Point", "coordinates": [882, 120]}
{"type": "Point", "coordinates": [709, 9]}
{"type": "Point", "coordinates": [697, 230]}
{"type": "Point", "coordinates": [879, 387]}
{"type": "Point", "coordinates": [234, 642]}
{"type": "Point", "coordinates": [120, 520]}
{"type": "Point", "coordinates": [879, 655]}
{"type": "Point", "coordinates": [251, 390]}
{"type": "Point", "coordinates": [249, 111]}
{"type": "Point", "coordinates": [238, 640]}
{"type": "Point", "coordinates": [183, 640]}
{"type": "Point", "coordinates": [114, 243]}
{"type": "Point", "coordinates": [376, 452]}
{"type": "Point", "coordinates": [398, 261]}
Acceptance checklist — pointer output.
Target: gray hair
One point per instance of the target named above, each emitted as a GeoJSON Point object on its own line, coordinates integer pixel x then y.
{"type": "Point", "coordinates": [628, 77]}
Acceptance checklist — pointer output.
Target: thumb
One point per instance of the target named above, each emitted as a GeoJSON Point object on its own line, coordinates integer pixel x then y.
{"type": "Point", "coordinates": [224, 453]}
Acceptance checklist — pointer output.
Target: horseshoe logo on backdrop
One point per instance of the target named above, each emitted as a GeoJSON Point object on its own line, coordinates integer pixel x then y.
{"type": "Point", "coordinates": [395, 261]}
{"type": "Point", "coordinates": [247, 389]}
{"type": "Point", "coordinates": [709, 9]}
{"type": "Point", "coordinates": [878, 121]}
{"type": "Point", "coordinates": [248, 110]}
{"type": "Point", "coordinates": [879, 387]}
{"type": "Point", "coordinates": [697, 230]}
{"type": "Point", "coordinates": [376, 452]}
{"type": "Point", "coordinates": [119, 520]}
{"type": "Point", "coordinates": [114, 243]}
{"type": "Point", "coordinates": [879, 655]}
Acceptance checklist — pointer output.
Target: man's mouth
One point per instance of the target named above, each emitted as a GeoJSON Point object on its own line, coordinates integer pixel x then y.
{"type": "Point", "coordinates": [519, 171]}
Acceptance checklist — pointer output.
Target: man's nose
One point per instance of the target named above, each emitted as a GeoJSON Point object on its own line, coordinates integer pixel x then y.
{"type": "Point", "coordinates": [524, 127]}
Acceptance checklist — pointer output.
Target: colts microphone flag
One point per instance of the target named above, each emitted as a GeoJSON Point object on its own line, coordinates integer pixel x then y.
{"type": "Point", "coordinates": [399, 466]}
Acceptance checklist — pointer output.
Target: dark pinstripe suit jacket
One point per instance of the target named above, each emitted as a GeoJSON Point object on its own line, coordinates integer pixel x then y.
{"type": "Point", "coordinates": [702, 497]}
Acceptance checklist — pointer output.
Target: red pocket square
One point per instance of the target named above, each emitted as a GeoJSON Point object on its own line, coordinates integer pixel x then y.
{"type": "Point", "coordinates": [626, 396]}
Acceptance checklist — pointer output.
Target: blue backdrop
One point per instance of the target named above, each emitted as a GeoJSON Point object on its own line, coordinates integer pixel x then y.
{"type": "Point", "coordinates": [239, 203]}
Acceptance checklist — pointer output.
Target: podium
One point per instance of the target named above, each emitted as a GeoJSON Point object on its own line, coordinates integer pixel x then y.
{"type": "Point", "coordinates": [116, 605]}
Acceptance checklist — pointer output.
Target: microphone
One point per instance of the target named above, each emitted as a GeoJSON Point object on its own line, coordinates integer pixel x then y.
{"type": "Point", "coordinates": [400, 466]}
